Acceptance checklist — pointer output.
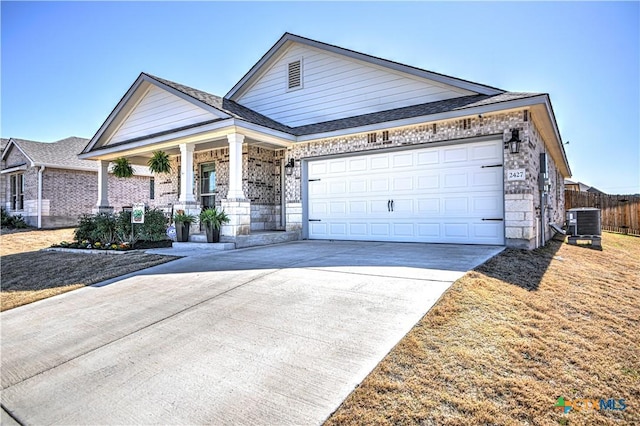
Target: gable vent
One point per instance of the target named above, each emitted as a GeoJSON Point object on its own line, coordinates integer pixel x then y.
{"type": "Point", "coordinates": [295, 74]}
{"type": "Point", "coordinates": [371, 137]}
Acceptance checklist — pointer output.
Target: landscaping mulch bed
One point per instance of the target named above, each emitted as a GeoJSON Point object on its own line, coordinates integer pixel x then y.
{"type": "Point", "coordinates": [511, 337]}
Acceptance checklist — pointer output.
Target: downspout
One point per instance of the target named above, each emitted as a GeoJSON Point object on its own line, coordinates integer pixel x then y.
{"type": "Point", "coordinates": [40, 173]}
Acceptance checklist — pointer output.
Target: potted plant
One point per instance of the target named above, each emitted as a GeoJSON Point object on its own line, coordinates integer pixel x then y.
{"type": "Point", "coordinates": [122, 168]}
{"type": "Point", "coordinates": [159, 162]}
{"type": "Point", "coordinates": [183, 221]}
{"type": "Point", "coordinates": [213, 219]}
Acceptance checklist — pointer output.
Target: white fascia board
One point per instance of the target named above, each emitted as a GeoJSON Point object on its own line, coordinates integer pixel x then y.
{"type": "Point", "coordinates": [63, 167]}
{"type": "Point", "coordinates": [94, 155]}
{"type": "Point", "coordinates": [264, 134]}
{"type": "Point", "coordinates": [483, 109]}
{"type": "Point", "coordinates": [556, 131]}
{"type": "Point", "coordinates": [14, 169]}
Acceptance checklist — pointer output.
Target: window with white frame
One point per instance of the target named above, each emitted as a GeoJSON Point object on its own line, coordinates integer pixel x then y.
{"type": "Point", "coordinates": [17, 191]}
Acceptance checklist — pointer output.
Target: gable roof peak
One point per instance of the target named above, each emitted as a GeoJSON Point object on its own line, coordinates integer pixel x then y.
{"type": "Point", "coordinates": [272, 54]}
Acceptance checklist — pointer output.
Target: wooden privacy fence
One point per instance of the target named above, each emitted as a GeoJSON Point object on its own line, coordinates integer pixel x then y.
{"type": "Point", "coordinates": [620, 213]}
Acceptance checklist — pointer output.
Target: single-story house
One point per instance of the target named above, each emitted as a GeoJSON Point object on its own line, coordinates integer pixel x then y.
{"type": "Point", "coordinates": [51, 187]}
{"type": "Point", "coordinates": [570, 185]}
{"type": "Point", "coordinates": [340, 145]}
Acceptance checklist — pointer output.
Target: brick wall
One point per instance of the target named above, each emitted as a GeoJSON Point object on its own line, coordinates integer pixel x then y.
{"type": "Point", "coordinates": [520, 196]}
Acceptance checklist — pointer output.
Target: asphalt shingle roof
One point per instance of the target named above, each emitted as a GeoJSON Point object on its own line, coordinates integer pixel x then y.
{"type": "Point", "coordinates": [63, 154]}
{"type": "Point", "coordinates": [238, 111]}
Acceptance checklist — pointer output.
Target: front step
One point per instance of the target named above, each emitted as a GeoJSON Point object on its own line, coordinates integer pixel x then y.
{"type": "Point", "coordinates": [204, 246]}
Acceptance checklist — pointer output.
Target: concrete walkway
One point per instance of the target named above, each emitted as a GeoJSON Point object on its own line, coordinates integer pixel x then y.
{"type": "Point", "coordinates": [268, 335]}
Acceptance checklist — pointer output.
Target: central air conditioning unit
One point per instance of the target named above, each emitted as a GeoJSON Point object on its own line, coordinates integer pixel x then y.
{"type": "Point", "coordinates": [584, 223]}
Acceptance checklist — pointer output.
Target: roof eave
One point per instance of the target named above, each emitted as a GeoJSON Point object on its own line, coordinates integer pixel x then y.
{"type": "Point", "coordinates": [452, 114]}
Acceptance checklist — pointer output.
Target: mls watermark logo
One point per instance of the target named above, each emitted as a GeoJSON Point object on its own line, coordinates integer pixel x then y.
{"type": "Point", "coordinates": [582, 404]}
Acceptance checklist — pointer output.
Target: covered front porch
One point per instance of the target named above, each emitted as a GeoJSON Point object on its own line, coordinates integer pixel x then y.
{"type": "Point", "coordinates": [217, 158]}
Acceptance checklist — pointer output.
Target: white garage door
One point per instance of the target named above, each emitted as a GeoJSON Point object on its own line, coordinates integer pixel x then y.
{"type": "Point", "coordinates": [449, 194]}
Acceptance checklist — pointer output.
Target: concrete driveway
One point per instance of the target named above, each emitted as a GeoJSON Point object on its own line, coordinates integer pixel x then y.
{"type": "Point", "coordinates": [268, 335]}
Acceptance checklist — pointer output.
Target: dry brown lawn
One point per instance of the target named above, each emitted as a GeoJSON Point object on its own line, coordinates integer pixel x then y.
{"type": "Point", "coordinates": [28, 274]}
{"type": "Point", "coordinates": [511, 337]}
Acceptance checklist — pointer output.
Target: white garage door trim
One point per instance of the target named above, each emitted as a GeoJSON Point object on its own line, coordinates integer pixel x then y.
{"type": "Point", "coordinates": [438, 194]}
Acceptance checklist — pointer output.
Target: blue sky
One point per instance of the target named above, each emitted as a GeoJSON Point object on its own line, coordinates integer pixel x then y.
{"type": "Point", "coordinates": [65, 65]}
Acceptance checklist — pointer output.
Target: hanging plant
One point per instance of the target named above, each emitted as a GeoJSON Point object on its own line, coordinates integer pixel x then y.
{"type": "Point", "coordinates": [122, 168]}
{"type": "Point", "coordinates": [159, 162]}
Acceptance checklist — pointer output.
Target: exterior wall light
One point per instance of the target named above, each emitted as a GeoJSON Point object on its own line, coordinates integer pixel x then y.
{"type": "Point", "coordinates": [288, 168]}
{"type": "Point", "coordinates": [514, 142]}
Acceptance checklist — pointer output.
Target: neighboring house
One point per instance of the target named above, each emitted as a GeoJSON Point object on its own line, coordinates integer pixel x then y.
{"type": "Point", "coordinates": [50, 186]}
{"type": "Point", "coordinates": [580, 187]}
{"type": "Point", "coordinates": [339, 145]}
{"type": "Point", "coordinates": [3, 186]}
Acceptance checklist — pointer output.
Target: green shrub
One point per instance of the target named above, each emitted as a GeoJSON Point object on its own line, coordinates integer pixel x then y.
{"type": "Point", "coordinates": [116, 228]}
{"type": "Point", "coordinates": [154, 227]}
{"type": "Point", "coordinates": [9, 221]}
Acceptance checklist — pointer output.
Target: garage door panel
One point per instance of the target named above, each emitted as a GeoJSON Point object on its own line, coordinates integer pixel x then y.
{"type": "Point", "coordinates": [338, 208]}
{"type": "Point", "coordinates": [404, 206]}
{"type": "Point", "coordinates": [429, 182]}
{"type": "Point", "coordinates": [357, 165]}
{"type": "Point", "coordinates": [456, 206]}
{"type": "Point", "coordinates": [490, 178]}
{"type": "Point", "coordinates": [358, 229]}
{"type": "Point", "coordinates": [403, 229]}
{"type": "Point", "coordinates": [487, 205]}
{"type": "Point", "coordinates": [379, 185]}
{"type": "Point", "coordinates": [318, 229]}
{"type": "Point", "coordinates": [455, 180]}
{"type": "Point", "coordinates": [318, 208]}
{"type": "Point", "coordinates": [428, 230]}
{"type": "Point", "coordinates": [486, 152]}
{"type": "Point", "coordinates": [404, 159]}
{"type": "Point", "coordinates": [380, 229]}
{"type": "Point", "coordinates": [403, 183]}
{"type": "Point", "coordinates": [455, 155]}
{"type": "Point", "coordinates": [428, 158]}
{"type": "Point", "coordinates": [317, 188]}
{"type": "Point", "coordinates": [440, 194]}
{"type": "Point", "coordinates": [487, 230]}
{"type": "Point", "coordinates": [338, 166]}
{"type": "Point", "coordinates": [379, 162]}
{"type": "Point", "coordinates": [456, 230]}
{"type": "Point", "coordinates": [338, 229]}
{"type": "Point", "coordinates": [428, 206]}
{"type": "Point", "coordinates": [358, 208]}
{"type": "Point", "coordinates": [358, 186]}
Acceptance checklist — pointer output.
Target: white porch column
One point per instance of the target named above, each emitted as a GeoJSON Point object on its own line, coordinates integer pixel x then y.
{"type": "Point", "coordinates": [102, 205]}
{"type": "Point", "coordinates": [186, 174]}
{"type": "Point", "coordinates": [236, 205]}
{"type": "Point", "coordinates": [103, 186]}
{"type": "Point", "coordinates": [235, 166]}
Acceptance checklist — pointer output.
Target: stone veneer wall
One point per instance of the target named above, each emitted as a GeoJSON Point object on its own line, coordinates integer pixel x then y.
{"type": "Point", "coordinates": [520, 196]}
